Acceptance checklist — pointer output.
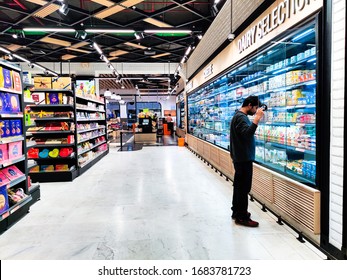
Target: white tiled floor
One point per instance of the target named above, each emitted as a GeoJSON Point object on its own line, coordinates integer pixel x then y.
{"type": "Point", "coordinates": [156, 203]}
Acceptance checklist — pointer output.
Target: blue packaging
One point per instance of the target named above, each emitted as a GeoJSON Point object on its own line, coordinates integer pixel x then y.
{"type": "Point", "coordinates": [6, 128]}
{"type": "Point", "coordinates": [14, 105]}
{"type": "Point", "coordinates": [3, 199]}
{"type": "Point", "coordinates": [13, 127]}
{"type": "Point", "coordinates": [7, 78]}
{"type": "Point", "coordinates": [19, 130]}
{"type": "Point", "coordinates": [5, 106]}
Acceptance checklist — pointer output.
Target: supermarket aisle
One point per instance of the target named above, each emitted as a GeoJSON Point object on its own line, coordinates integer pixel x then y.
{"type": "Point", "coordinates": [155, 203]}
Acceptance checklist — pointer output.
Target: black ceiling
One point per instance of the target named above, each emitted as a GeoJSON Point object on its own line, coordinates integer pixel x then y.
{"type": "Point", "coordinates": [15, 15]}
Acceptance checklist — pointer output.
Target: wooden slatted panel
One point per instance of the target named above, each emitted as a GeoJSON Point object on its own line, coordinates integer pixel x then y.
{"type": "Point", "coordinates": [206, 151]}
{"type": "Point", "coordinates": [300, 203]}
{"type": "Point", "coordinates": [192, 142]}
{"type": "Point", "coordinates": [45, 11]}
{"type": "Point", "coordinates": [157, 22]}
{"type": "Point", "coordinates": [200, 147]}
{"type": "Point", "coordinates": [214, 156]}
{"type": "Point", "coordinates": [226, 164]}
{"type": "Point", "coordinates": [262, 184]}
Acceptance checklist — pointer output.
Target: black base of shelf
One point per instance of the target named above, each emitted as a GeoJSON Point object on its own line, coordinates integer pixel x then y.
{"type": "Point", "coordinates": [35, 194]}
{"type": "Point", "coordinates": [14, 218]}
{"type": "Point", "coordinates": [64, 176]}
{"type": "Point", "coordinates": [90, 164]}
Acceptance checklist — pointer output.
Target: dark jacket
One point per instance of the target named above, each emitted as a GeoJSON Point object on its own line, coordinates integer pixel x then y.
{"type": "Point", "coordinates": [242, 143]}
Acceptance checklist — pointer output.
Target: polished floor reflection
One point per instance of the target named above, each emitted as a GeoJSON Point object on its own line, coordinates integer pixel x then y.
{"type": "Point", "coordinates": [155, 203]}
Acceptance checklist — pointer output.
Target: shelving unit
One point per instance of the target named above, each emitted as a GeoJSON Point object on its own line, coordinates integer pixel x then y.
{"type": "Point", "coordinates": [13, 162]}
{"type": "Point", "coordinates": [54, 130]}
{"type": "Point", "coordinates": [91, 131]}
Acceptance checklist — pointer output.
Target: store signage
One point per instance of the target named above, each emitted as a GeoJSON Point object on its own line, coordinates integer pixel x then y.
{"type": "Point", "coordinates": [271, 21]}
{"type": "Point", "coordinates": [208, 71]}
{"type": "Point", "coordinates": [189, 86]}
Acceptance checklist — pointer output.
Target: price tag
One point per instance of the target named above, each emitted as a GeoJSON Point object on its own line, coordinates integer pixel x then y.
{"type": "Point", "coordinates": [5, 215]}
{"type": "Point", "coordinates": [15, 209]}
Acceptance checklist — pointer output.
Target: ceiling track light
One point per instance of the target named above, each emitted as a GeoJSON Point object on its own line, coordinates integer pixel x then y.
{"type": "Point", "coordinates": [188, 51]}
{"type": "Point", "coordinates": [49, 29]}
{"type": "Point", "coordinates": [5, 50]}
{"type": "Point", "coordinates": [139, 35]}
{"type": "Point", "coordinates": [21, 58]}
{"type": "Point", "coordinates": [97, 48]}
{"type": "Point", "coordinates": [64, 9]}
{"type": "Point", "coordinates": [90, 30]}
{"type": "Point", "coordinates": [166, 31]}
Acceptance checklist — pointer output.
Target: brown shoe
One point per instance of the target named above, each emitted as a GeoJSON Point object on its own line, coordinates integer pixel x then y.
{"type": "Point", "coordinates": [247, 223]}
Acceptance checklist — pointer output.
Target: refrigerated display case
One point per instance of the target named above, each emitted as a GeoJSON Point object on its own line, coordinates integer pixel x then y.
{"type": "Point", "coordinates": [283, 75]}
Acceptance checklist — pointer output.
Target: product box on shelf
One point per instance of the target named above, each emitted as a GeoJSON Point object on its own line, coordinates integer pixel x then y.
{"type": "Point", "coordinates": [39, 97]}
{"type": "Point", "coordinates": [14, 106]}
{"type": "Point", "coordinates": [7, 78]}
{"type": "Point", "coordinates": [4, 102]}
{"type": "Point", "coordinates": [47, 168]}
{"type": "Point", "coordinates": [5, 129]}
{"type": "Point", "coordinates": [1, 78]}
{"type": "Point", "coordinates": [27, 77]}
{"type": "Point", "coordinates": [62, 167]}
{"type": "Point", "coordinates": [12, 172]}
{"type": "Point", "coordinates": [43, 82]}
{"type": "Point", "coordinates": [3, 179]}
{"type": "Point", "coordinates": [17, 83]}
{"type": "Point", "coordinates": [62, 83]}
{"type": "Point", "coordinates": [3, 152]}
{"type": "Point", "coordinates": [15, 150]}
{"type": "Point", "coordinates": [9, 103]}
{"type": "Point", "coordinates": [54, 98]}
{"type": "Point", "coordinates": [3, 198]}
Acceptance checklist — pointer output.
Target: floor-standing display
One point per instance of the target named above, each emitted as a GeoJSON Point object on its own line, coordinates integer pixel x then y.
{"type": "Point", "coordinates": [54, 134]}
{"type": "Point", "coordinates": [91, 130]}
{"type": "Point", "coordinates": [15, 197]}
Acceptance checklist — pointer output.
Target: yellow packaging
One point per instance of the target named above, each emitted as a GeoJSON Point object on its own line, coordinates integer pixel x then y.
{"type": "Point", "coordinates": [1, 78]}
{"type": "Point", "coordinates": [297, 93]}
{"type": "Point", "coordinates": [43, 82]}
{"type": "Point", "coordinates": [62, 83]}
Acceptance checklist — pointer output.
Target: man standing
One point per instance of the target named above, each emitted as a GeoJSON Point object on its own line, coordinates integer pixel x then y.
{"type": "Point", "coordinates": [242, 151]}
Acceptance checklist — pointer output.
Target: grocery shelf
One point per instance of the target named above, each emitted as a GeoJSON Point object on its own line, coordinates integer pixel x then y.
{"type": "Point", "coordinates": [54, 176]}
{"type": "Point", "coordinates": [16, 181]}
{"type": "Point", "coordinates": [52, 106]}
{"type": "Point", "coordinates": [53, 119]}
{"type": "Point", "coordinates": [90, 99]}
{"type": "Point", "coordinates": [15, 207]}
{"type": "Point", "coordinates": [11, 139]}
{"type": "Point", "coordinates": [85, 166]}
{"type": "Point", "coordinates": [89, 149]}
{"type": "Point", "coordinates": [90, 120]}
{"type": "Point", "coordinates": [12, 115]}
{"type": "Point", "coordinates": [10, 90]}
{"type": "Point", "coordinates": [84, 140]}
{"type": "Point", "coordinates": [11, 161]}
{"type": "Point", "coordinates": [91, 129]}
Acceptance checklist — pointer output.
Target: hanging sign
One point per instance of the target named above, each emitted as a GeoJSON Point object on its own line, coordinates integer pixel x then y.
{"type": "Point", "coordinates": [284, 10]}
{"type": "Point", "coordinates": [189, 86]}
{"type": "Point", "coordinates": [208, 71]}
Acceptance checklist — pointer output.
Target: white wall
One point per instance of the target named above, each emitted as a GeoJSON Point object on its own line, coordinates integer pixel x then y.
{"type": "Point", "coordinates": [337, 121]}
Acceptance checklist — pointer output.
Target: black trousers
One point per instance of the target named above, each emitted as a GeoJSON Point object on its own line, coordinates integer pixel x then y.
{"type": "Point", "coordinates": [242, 186]}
